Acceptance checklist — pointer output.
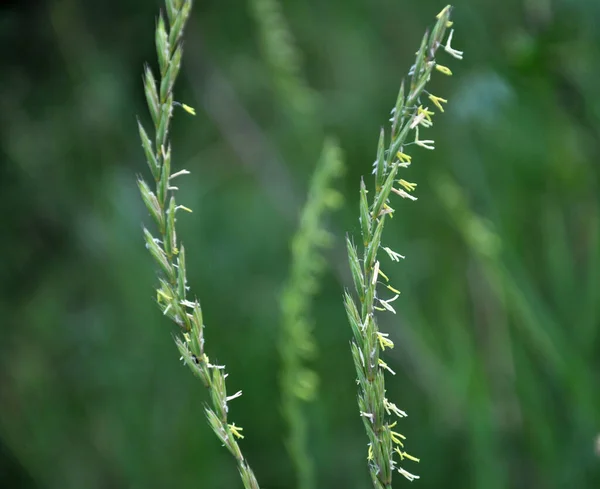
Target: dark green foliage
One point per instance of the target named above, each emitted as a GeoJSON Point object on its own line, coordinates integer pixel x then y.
{"type": "Point", "coordinates": [497, 333]}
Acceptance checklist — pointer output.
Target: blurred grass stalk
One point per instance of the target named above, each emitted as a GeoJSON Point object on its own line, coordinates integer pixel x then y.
{"type": "Point", "coordinates": [298, 382]}
{"type": "Point", "coordinates": [408, 116]}
{"type": "Point", "coordinates": [166, 250]}
{"type": "Point", "coordinates": [536, 338]}
{"type": "Point", "coordinates": [297, 346]}
{"type": "Point", "coordinates": [284, 61]}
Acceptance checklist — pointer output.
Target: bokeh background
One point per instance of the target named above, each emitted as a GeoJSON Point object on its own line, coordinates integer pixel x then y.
{"type": "Point", "coordinates": [497, 331]}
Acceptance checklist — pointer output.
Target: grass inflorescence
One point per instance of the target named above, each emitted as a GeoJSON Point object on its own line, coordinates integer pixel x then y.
{"type": "Point", "coordinates": [408, 116]}
{"type": "Point", "coordinates": [297, 345]}
{"type": "Point", "coordinates": [386, 446]}
{"type": "Point", "coordinates": [284, 59]}
{"type": "Point", "coordinates": [173, 291]}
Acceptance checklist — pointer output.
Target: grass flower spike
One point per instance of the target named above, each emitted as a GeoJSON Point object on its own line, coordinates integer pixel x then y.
{"type": "Point", "coordinates": [297, 346]}
{"type": "Point", "coordinates": [173, 291]}
{"type": "Point", "coordinates": [386, 446]}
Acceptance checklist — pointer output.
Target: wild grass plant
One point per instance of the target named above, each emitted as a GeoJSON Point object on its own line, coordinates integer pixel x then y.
{"type": "Point", "coordinates": [297, 346]}
{"type": "Point", "coordinates": [408, 116]}
{"type": "Point", "coordinates": [172, 294]}
{"type": "Point", "coordinates": [506, 379]}
{"type": "Point", "coordinates": [490, 334]}
{"type": "Point", "coordinates": [284, 60]}
{"type": "Point", "coordinates": [298, 381]}
{"type": "Point", "coordinates": [386, 445]}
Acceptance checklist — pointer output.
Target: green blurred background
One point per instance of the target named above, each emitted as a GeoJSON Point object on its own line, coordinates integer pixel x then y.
{"type": "Point", "coordinates": [496, 335]}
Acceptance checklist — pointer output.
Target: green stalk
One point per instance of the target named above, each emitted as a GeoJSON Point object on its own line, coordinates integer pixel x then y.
{"type": "Point", "coordinates": [408, 116]}
{"type": "Point", "coordinates": [166, 250]}
{"type": "Point", "coordinates": [297, 345]}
